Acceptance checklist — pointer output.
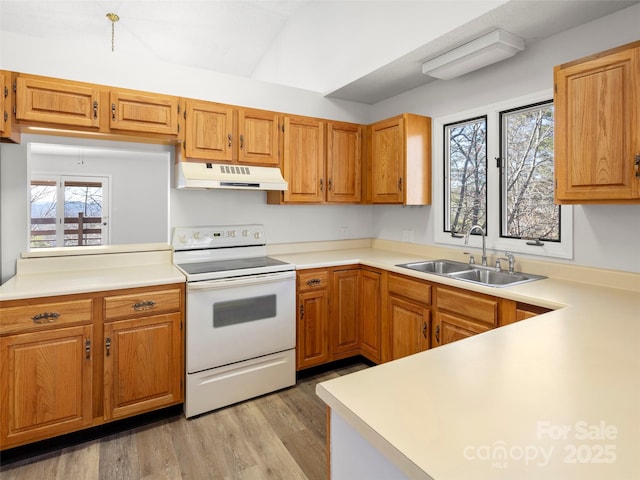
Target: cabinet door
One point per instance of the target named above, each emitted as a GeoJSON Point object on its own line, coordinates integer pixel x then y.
{"type": "Point", "coordinates": [5, 85]}
{"type": "Point", "coordinates": [143, 365]}
{"type": "Point", "coordinates": [46, 384]}
{"type": "Point", "coordinates": [209, 131]}
{"type": "Point", "coordinates": [344, 163]}
{"type": "Point", "coordinates": [409, 327]}
{"type": "Point", "coordinates": [303, 162]}
{"type": "Point", "coordinates": [597, 123]}
{"type": "Point", "coordinates": [450, 328]}
{"type": "Point", "coordinates": [345, 312]}
{"type": "Point", "coordinates": [312, 333]}
{"type": "Point", "coordinates": [259, 137]}
{"type": "Point", "coordinates": [371, 315]}
{"type": "Point", "coordinates": [143, 112]}
{"type": "Point", "coordinates": [387, 161]}
{"type": "Point", "coordinates": [57, 101]}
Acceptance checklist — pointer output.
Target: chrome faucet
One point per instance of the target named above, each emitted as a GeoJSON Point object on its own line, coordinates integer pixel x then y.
{"type": "Point", "coordinates": [510, 258]}
{"type": "Point", "coordinates": [484, 245]}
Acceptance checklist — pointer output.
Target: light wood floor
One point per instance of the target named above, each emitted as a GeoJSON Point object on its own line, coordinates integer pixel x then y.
{"type": "Point", "coordinates": [278, 436]}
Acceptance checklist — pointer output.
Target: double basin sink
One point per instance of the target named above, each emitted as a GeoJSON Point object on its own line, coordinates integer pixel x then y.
{"type": "Point", "coordinates": [481, 275]}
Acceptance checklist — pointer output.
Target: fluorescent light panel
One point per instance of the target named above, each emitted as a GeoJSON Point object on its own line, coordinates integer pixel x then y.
{"type": "Point", "coordinates": [490, 48]}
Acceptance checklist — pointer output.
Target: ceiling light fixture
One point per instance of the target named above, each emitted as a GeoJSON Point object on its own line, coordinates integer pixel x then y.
{"type": "Point", "coordinates": [114, 18]}
{"type": "Point", "coordinates": [490, 48]}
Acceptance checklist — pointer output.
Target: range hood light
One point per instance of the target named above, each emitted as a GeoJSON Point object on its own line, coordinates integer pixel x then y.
{"type": "Point", "coordinates": [486, 50]}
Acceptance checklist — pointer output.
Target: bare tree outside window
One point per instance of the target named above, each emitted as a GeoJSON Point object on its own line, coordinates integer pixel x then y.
{"type": "Point", "coordinates": [527, 208]}
{"type": "Point", "coordinates": [67, 212]}
{"type": "Point", "coordinates": [466, 177]}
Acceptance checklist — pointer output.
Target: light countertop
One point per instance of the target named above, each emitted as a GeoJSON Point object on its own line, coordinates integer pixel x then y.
{"type": "Point", "coordinates": [559, 393]}
{"type": "Point", "coordinates": [91, 271]}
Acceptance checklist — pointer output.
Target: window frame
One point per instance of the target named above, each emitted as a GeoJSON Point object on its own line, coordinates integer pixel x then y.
{"type": "Point", "coordinates": [61, 180]}
{"type": "Point", "coordinates": [495, 242]}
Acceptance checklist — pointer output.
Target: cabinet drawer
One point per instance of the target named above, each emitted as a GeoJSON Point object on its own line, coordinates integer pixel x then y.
{"type": "Point", "coordinates": [479, 308]}
{"type": "Point", "coordinates": [313, 280]}
{"type": "Point", "coordinates": [44, 315]}
{"type": "Point", "coordinates": [412, 289]}
{"type": "Point", "coordinates": [142, 304]}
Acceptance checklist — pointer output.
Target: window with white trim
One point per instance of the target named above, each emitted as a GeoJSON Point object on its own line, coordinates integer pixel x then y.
{"type": "Point", "coordinates": [68, 211]}
{"type": "Point", "coordinates": [496, 163]}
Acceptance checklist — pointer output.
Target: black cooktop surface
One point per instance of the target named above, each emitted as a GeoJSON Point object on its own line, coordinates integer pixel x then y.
{"type": "Point", "coordinates": [229, 265]}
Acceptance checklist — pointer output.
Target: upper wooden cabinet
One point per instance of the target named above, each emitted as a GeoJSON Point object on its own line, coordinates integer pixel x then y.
{"type": "Point", "coordinates": [303, 160]}
{"type": "Point", "coordinates": [61, 102]}
{"type": "Point", "coordinates": [321, 162]}
{"type": "Point", "coordinates": [6, 102]}
{"type": "Point", "coordinates": [398, 168]}
{"type": "Point", "coordinates": [597, 128]}
{"type": "Point", "coordinates": [52, 102]}
{"type": "Point", "coordinates": [216, 132]}
{"type": "Point", "coordinates": [258, 137]}
{"type": "Point", "coordinates": [209, 131]}
{"type": "Point", "coordinates": [143, 112]}
{"type": "Point", "coordinates": [344, 162]}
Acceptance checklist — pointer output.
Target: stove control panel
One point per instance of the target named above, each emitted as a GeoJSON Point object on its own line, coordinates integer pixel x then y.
{"type": "Point", "coordinates": [218, 236]}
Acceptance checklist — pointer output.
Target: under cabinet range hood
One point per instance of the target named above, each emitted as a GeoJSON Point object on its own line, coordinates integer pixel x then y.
{"type": "Point", "coordinates": [239, 177]}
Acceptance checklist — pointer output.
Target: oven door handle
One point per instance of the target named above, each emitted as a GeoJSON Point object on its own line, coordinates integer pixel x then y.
{"type": "Point", "coordinates": [241, 281]}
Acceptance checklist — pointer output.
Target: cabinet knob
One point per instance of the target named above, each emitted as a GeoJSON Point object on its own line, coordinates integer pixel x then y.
{"type": "Point", "coordinates": [636, 165]}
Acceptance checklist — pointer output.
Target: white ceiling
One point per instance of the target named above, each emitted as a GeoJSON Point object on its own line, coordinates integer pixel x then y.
{"type": "Point", "coordinates": [368, 56]}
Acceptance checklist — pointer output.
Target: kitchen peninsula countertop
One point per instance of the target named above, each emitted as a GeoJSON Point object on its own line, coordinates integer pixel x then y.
{"type": "Point", "coordinates": [552, 397]}
{"type": "Point", "coordinates": [88, 269]}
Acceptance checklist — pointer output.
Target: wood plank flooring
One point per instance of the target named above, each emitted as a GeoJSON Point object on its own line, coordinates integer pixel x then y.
{"type": "Point", "coordinates": [277, 436]}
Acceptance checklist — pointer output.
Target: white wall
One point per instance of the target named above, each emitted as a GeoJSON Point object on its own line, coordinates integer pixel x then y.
{"type": "Point", "coordinates": [604, 235]}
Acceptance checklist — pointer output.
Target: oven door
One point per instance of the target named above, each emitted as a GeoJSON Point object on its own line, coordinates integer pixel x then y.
{"type": "Point", "coordinates": [235, 319]}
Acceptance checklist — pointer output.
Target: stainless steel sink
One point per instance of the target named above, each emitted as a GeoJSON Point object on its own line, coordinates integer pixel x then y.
{"type": "Point", "coordinates": [440, 267]}
{"type": "Point", "coordinates": [471, 273]}
{"type": "Point", "coordinates": [494, 278]}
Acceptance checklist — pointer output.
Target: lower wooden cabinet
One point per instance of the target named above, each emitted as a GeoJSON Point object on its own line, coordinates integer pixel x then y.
{"type": "Point", "coordinates": [408, 316]}
{"type": "Point", "coordinates": [46, 383]}
{"type": "Point", "coordinates": [142, 365]}
{"type": "Point", "coordinates": [75, 361]}
{"type": "Point", "coordinates": [461, 314]}
{"type": "Point", "coordinates": [332, 304]}
{"type": "Point", "coordinates": [371, 314]}
{"type": "Point", "coordinates": [312, 333]}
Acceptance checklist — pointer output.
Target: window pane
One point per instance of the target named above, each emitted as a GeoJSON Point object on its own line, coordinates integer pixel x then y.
{"type": "Point", "coordinates": [82, 213]}
{"type": "Point", "coordinates": [527, 207]}
{"type": "Point", "coordinates": [43, 214]}
{"type": "Point", "coordinates": [466, 175]}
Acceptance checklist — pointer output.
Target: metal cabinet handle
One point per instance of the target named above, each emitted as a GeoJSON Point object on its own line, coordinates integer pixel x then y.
{"type": "Point", "coordinates": [113, 112]}
{"type": "Point", "coordinates": [400, 184]}
{"type": "Point", "coordinates": [329, 184]}
{"type": "Point", "coordinates": [301, 312]}
{"type": "Point", "coordinates": [229, 140]}
{"type": "Point", "coordinates": [46, 317]}
{"type": "Point", "coordinates": [95, 109]}
{"type": "Point", "coordinates": [321, 185]}
{"type": "Point", "coordinates": [438, 333]}
{"type": "Point", "coordinates": [241, 142]}
{"type": "Point", "coordinates": [313, 282]}
{"type": "Point", "coordinates": [636, 165]}
{"type": "Point", "coordinates": [107, 345]}
{"type": "Point", "coordinates": [424, 329]}
{"type": "Point", "coordinates": [145, 305]}
{"type": "Point", "coordinates": [87, 348]}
